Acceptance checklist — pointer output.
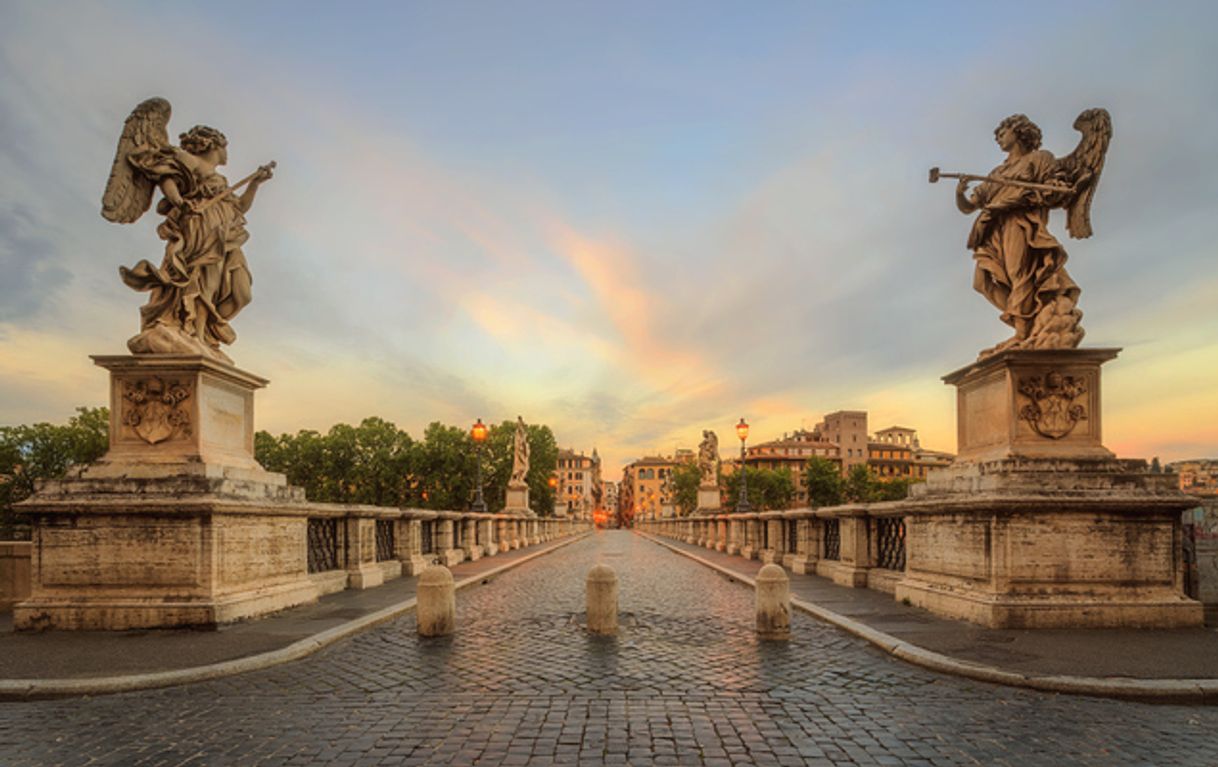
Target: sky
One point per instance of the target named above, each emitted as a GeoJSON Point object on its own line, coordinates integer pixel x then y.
{"type": "Point", "coordinates": [629, 221]}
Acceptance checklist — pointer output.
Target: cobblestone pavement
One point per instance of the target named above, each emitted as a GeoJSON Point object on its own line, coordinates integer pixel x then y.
{"type": "Point", "coordinates": [685, 682]}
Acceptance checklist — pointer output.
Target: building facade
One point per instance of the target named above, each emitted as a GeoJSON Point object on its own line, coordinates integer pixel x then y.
{"type": "Point", "coordinates": [575, 472]}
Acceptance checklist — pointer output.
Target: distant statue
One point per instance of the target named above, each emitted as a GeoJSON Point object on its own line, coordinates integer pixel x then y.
{"type": "Point", "coordinates": [708, 458]}
{"type": "Point", "coordinates": [1020, 266]}
{"type": "Point", "coordinates": [598, 490]}
{"type": "Point", "coordinates": [203, 280]}
{"type": "Point", "coordinates": [520, 454]}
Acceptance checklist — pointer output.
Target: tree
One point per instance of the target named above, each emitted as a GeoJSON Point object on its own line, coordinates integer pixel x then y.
{"type": "Point", "coordinates": [893, 489]}
{"type": "Point", "coordinates": [859, 486]}
{"type": "Point", "coordinates": [863, 486]}
{"type": "Point", "coordinates": [444, 467]}
{"type": "Point", "coordinates": [543, 458]}
{"type": "Point", "coordinates": [824, 482]}
{"type": "Point", "coordinates": [379, 464]}
{"type": "Point", "coordinates": [41, 451]}
{"type": "Point", "coordinates": [684, 481]}
{"type": "Point", "coordinates": [302, 457]}
{"type": "Point", "coordinates": [768, 488]}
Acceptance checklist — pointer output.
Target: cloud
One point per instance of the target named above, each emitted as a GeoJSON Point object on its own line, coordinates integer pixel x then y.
{"type": "Point", "coordinates": [623, 256]}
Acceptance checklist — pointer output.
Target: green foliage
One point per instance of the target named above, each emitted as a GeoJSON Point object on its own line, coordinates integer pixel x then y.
{"type": "Point", "coordinates": [862, 486]}
{"type": "Point", "coordinates": [767, 488]}
{"type": "Point", "coordinates": [893, 489]}
{"type": "Point", "coordinates": [543, 457]}
{"type": "Point", "coordinates": [859, 484]}
{"type": "Point", "coordinates": [444, 468]}
{"type": "Point", "coordinates": [685, 480]}
{"type": "Point", "coordinates": [46, 451]}
{"type": "Point", "coordinates": [824, 482]}
{"type": "Point", "coordinates": [369, 463]}
{"type": "Point", "coordinates": [377, 463]}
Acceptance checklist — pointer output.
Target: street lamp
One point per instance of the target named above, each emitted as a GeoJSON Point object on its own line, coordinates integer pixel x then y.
{"type": "Point", "coordinates": [742, 504]}
{"type": "Point", "coordinates": [478, 434]}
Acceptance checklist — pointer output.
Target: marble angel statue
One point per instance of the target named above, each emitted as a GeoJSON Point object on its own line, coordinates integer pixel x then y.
{"type": "Point", "coordinates": [203, 280]}
{"type": "Point", "coordinates": [708, 459]}
{"type": "Point", "coordinates": [520, 454]}
{"type": "Point", "coordinates": [1020, 265]}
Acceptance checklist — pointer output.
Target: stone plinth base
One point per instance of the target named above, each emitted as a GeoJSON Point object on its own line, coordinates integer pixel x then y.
{"type": "Point", "coordinates": [517, 501]}
{"type": "Point", "coordinates": [1049, 544]}
{"type": "Point", "coordinates": [162, 553]}
{"type": "Point", "coordinates": [842, 573]}
{"type": "Point", "coordinates": [177, 525]}
{"type": "Point", "coordinates": [708, 499]}
{"type": "Point", "coordinates": [1036, 525]}
{"type": "Point", "coordinates": [415, 564]}
{"type": "Point", "coordinates": [1030, 404]}
{"type": "Point", "coordinates": [14, 572]}
{"type": "Point", "coordinates": [1111, 610]}
{"type": "Point", "coordinates": [175, 414]}
{"type": "Point", "coordinates": [803, 564]}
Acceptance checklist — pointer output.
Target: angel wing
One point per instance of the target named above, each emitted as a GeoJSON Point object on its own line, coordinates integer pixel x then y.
{"type": "Point", "coordinates": [1081, 169]}
{"type": "Point", "coordinates": [129, 192]}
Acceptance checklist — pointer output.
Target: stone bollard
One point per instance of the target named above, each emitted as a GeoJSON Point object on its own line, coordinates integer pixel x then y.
{"type": "Point", "coordinates": [436, 609]}
{"type": "Point", "coordinates": [602, 600]}
{"type": "Point", "coordinates": [773, 603]}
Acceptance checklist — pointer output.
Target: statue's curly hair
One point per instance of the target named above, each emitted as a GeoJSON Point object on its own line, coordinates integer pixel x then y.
{"type": "Point", "coordinates": [1027, 133]}
{"type": "Point", "coordinates": [202, 139]}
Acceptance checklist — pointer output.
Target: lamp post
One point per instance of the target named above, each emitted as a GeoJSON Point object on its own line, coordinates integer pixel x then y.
{"type": "Point", "coordinates": [478, 434]}
{"type": "Point", "coordinates": [742, 504]}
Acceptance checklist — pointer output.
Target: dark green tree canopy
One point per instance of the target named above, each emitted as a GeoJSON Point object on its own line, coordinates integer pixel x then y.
{"type": "Point", "coordinates": [31, 453]}
{"type": "Point", "coordinates": [377, 463]}
{"type": "Point", "coordinates": [685, 480]}
{"type": "Point", "coordinates": [824, 482]}
{"type": "Point", "coordinates": [768, 489]}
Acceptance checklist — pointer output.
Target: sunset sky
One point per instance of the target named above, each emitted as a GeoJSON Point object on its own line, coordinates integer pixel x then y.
{"type": "Point", "coordinates": [630, 221]}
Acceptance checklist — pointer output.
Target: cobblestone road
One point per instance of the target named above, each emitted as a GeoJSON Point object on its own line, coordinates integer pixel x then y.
{"type": "Point", "coordinates": [684, 683]}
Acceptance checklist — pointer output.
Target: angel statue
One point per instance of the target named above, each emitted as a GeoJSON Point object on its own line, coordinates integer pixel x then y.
{"type": "Point", "coordinates": [708, 459]}
{"type": "Point", "coordinates": [1020, 266]}
{"type": "Point", "coordinates": [520, 454]}
{"type": "Point", "coordinates": [203, 280]}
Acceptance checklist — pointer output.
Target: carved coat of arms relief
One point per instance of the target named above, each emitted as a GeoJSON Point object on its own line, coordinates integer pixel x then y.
{"type": "Point", "coordinates": [152, 408]}
{"type": "Point", "coordinates": [1051, 409]}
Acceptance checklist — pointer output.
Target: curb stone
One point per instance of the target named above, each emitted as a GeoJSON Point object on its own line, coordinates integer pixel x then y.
{"type": "Point", "coordinates": [30, 689]}
{"type": "Point", "coordinates": [1151, 690]}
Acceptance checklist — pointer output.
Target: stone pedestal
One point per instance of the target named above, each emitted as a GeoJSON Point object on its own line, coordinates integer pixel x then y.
{"type": "Point", "coordinates": [735, 536]}
{"type": "Point", "coordinates": [175, 415]}
{"type": "Point", "coordinates": [486, 534]}
{"type": "Point", "coordinates": [177, 525]}
{"type": "Point", "coordinates": [363, 572]}
{"type": "Point", "coordinates": [517, 501]}
{"type": "Point", "coordinates": [14, 573]}
{"type": "Point", "coordinates": [1036, 525]}
{"type": "Point", "coordinates": [1030, 404]}
{"type": "Point", "coordinates": [410, 547]}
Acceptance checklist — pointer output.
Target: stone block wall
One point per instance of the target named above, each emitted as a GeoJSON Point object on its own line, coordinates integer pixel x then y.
{"type": "Point", "coordinates": [14, 572]}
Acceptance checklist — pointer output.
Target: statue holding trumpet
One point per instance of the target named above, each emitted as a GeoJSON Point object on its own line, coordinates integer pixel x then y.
{"type": "Point", "coordinates": [1020, 265]}
{"type": "Point", "coordinates": [203, 281]}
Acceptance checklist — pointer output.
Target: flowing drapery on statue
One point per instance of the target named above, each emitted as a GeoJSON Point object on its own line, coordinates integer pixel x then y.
{"type": "Point", "coordinates": [203, 280]}
{"type": "Point", "coordinates": [520, 454]}
{"type": "Point", "coordinates": [708, 459]}
{"type": "Point", "coordinates": [1020, 265]}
